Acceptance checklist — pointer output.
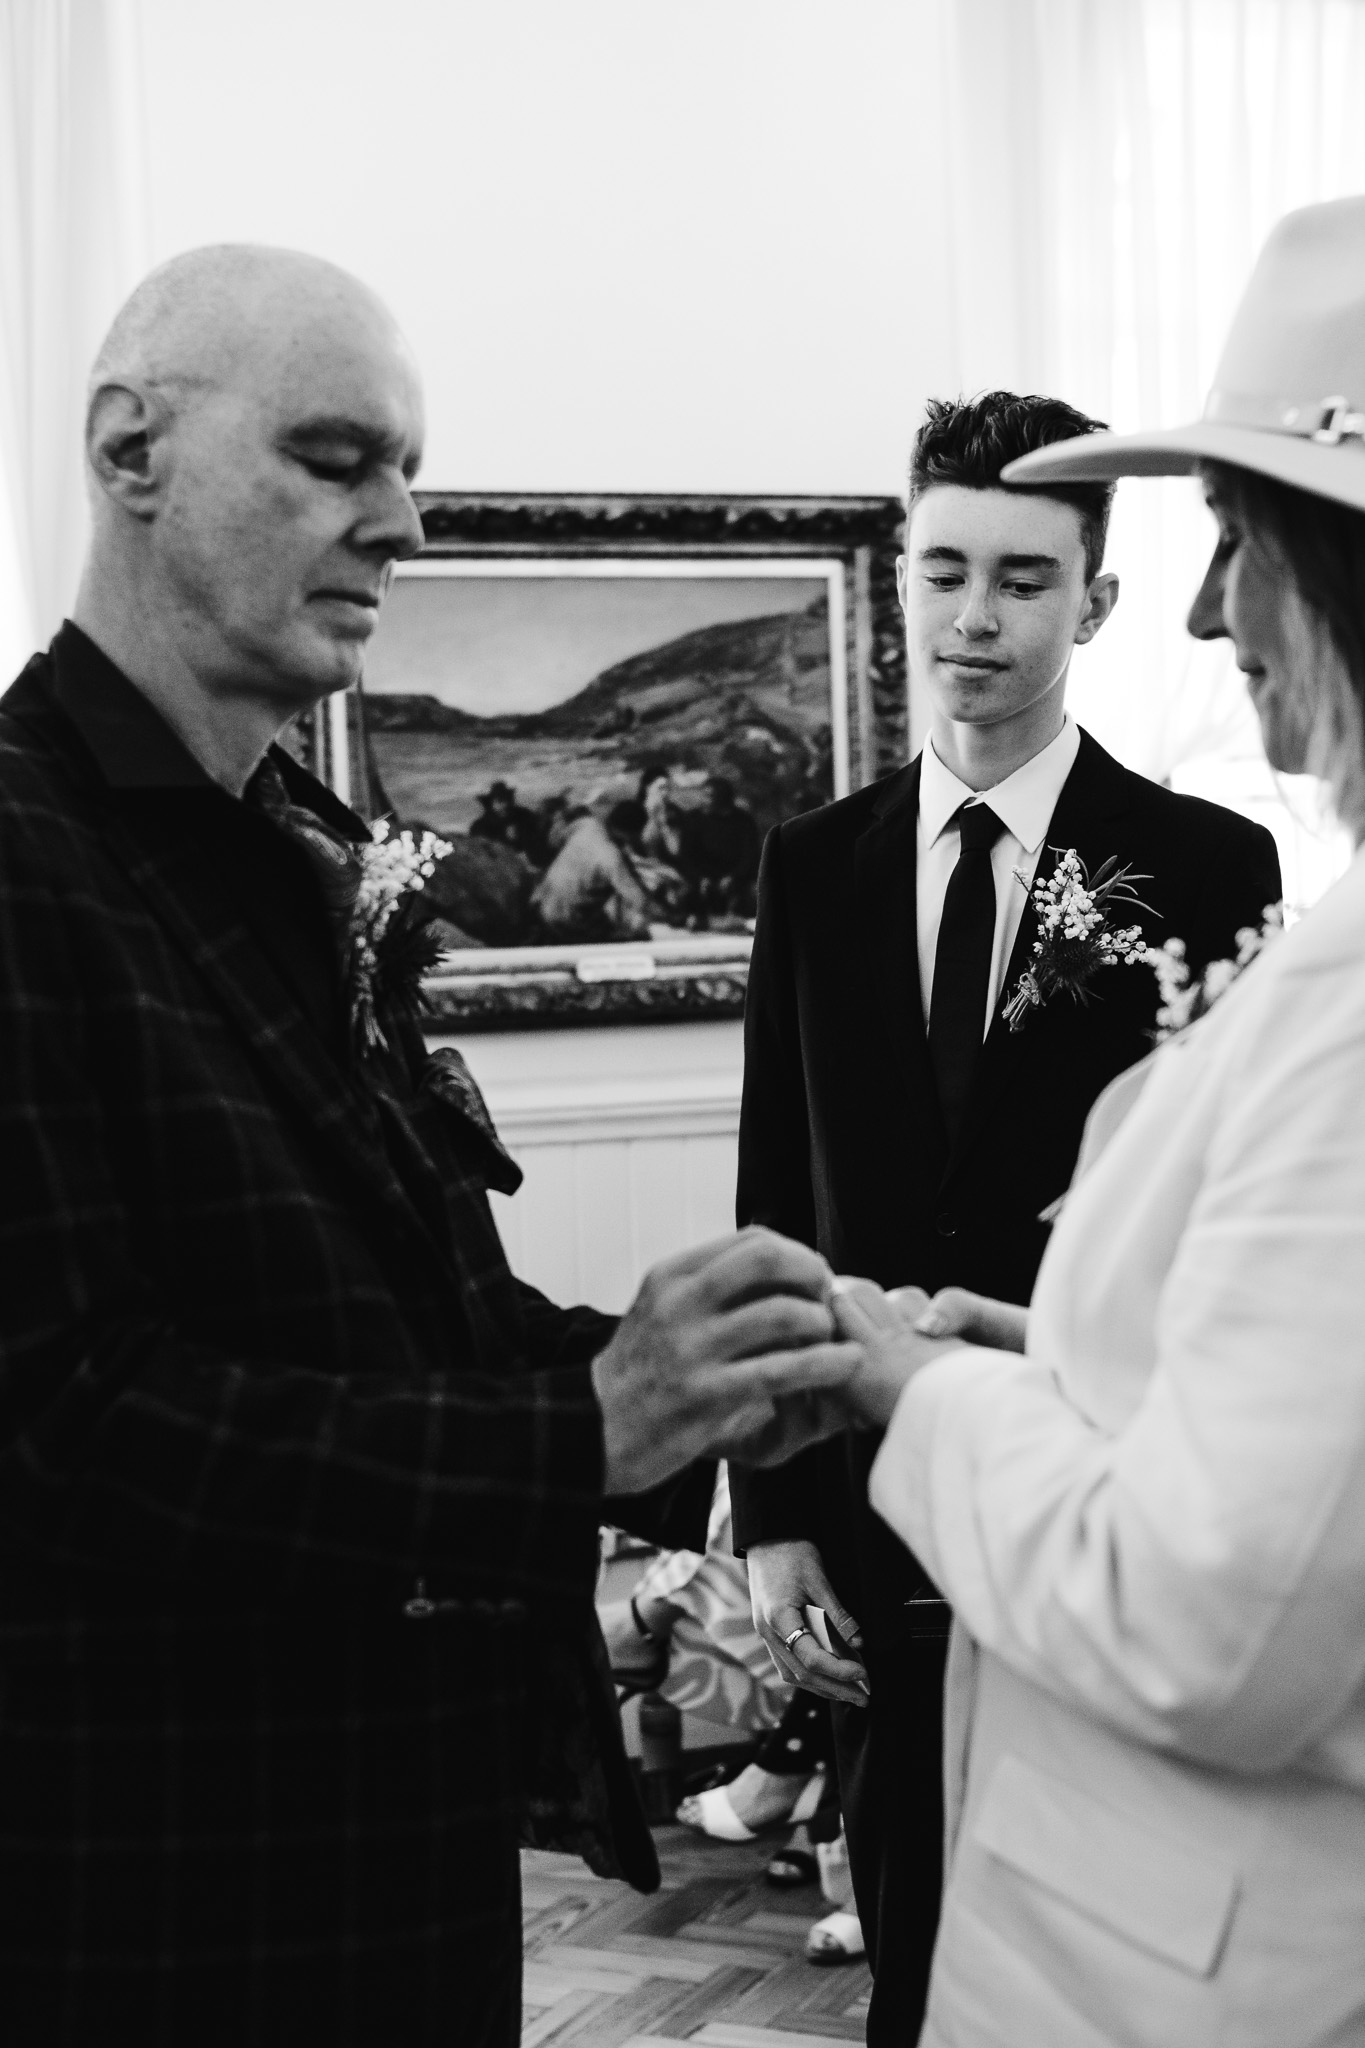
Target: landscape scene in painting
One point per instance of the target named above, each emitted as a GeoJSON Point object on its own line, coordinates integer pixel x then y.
{"type": "Point", "coordinates": [604, 753]}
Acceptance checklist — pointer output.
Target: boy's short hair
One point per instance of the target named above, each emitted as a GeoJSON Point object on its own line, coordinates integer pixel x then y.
{"type": "Point", "coordinates": [968, 441]}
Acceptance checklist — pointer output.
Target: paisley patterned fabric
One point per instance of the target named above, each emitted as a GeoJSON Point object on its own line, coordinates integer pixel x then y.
{"type": "Point", "coordinates": [720, 1668]}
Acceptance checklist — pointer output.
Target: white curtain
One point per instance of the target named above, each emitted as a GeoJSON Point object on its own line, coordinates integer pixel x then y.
{"type": "Point", "coordinates": [1091, 180]}
{"type": "Point", "coordinates": [74, 238]}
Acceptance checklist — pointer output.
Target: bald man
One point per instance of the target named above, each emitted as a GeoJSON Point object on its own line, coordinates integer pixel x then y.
{"type": "Point", "coordinates": [299, 1488]}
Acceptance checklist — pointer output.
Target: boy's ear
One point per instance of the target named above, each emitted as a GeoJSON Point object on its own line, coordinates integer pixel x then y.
{"type": "Point", "coordinates": [1100, 600]}
{"type": "Point", "coordinates": [123, 434]}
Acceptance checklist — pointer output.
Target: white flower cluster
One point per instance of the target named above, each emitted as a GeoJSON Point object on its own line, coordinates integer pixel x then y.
{"type": "Point", "coordinates": [1068, 911]}
{"type": "Point", "coordinates": [390, 869]}
{"type": "Point", "coordinates": [1184, 1000]}
{"type": "Point", "coordinates": [391, 866]}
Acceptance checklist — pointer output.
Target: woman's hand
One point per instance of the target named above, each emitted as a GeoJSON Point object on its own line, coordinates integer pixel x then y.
{"type": "Point", "coordinates": [954, 1312]}
{"type": "Point", "coordinates": [894, 1346]}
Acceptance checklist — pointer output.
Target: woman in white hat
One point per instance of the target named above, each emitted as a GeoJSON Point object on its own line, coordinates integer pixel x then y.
{"type": "Point", "coordinates": [1151, 1526]}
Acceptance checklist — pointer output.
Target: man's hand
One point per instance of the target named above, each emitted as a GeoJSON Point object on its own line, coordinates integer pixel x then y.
{"type": "Point", "coordinates": [785, 1579]}
{"type": "Point", "coordinates": [726, 1351]}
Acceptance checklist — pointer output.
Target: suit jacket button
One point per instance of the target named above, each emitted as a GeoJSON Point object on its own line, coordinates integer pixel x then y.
{"type": "Point", "coordinates": [945, 1223]}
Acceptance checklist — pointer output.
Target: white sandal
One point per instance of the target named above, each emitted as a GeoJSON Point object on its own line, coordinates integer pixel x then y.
{"type": "Point", "coordinates": [838, 1938]}
{"type": "Point", "coordinates": [715, 1815]}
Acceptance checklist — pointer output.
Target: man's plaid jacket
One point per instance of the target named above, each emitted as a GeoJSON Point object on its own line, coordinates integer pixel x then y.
{"type": "Point", "coordinates": [263, 1369]}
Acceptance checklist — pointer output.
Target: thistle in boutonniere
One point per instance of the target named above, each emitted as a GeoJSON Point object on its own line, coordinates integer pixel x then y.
{"type": "Point", "coordinates": [1075, 936]}
{"type": "Point", "coordinates": [392, 943]}
{"type": "Point", "coordinates": [1183, 999]}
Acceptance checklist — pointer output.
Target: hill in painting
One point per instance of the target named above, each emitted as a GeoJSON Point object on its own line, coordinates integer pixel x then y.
{"type": "Point", "coordinates": [747, 699]}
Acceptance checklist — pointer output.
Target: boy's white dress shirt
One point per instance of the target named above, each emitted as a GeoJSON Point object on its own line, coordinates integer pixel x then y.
{"type": "Point", "coordinates": [1024, 803]}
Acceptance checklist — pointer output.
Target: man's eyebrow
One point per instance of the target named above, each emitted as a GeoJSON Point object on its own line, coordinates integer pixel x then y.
{"type": "Point", "coordinates": [342, 427]}
{"type": "Point", "coordinates": [946, 554]}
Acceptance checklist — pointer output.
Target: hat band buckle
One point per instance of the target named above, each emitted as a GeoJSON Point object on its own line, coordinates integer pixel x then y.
{"type": "Point", "coordinates": [1339, 423]}
{"type": "Point", "coordinates": [1328, 421]}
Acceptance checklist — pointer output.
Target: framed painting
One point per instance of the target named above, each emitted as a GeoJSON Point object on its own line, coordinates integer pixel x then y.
{"type": "Point", "coordinates": [602, 704]}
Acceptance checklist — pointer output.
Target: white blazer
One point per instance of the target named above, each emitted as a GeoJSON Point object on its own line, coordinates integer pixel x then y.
{"type": "Point", "coordinates": [1152, 1531]}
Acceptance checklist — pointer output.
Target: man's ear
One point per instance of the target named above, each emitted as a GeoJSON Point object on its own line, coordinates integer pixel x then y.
{"type": "Point", "coordinates": [1100, 600]}
{"type": "Point", "coordinates": [902, 576]}
{"type": "Point", "coordinates": [123, 435]}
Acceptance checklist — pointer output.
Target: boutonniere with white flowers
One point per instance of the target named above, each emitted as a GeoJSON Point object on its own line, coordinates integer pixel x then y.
{"type": "Point", "coordinates": [392, 942]}
{"type": "Point", "coordinates": [1077, 938]}
{"type": "Point", "coordinates": [1185, 998]}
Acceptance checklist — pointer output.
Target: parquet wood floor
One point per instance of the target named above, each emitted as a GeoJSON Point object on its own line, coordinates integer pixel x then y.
{"type": "Point", "coordinates": [714, 1958]}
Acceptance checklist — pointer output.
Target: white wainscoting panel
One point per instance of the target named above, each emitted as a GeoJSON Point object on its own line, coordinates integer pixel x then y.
{"type": "Point", "coordinates": [626, 1136]}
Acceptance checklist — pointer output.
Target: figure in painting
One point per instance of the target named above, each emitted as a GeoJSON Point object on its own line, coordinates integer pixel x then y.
{"type": "Point", "coordinates": [503, 819]}
{"type": "Point", "coordinates": [661, 834]}
{"type": "Point", "coordinates": [720, 856]}
{"type": "Point", "coordinates": [592, 889]}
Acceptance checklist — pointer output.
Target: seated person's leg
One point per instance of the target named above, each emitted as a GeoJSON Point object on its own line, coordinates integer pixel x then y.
{"type": "Point", "coordinates": [786, 1777]}
{"type": "Point", "coordinates": [838, 1938]}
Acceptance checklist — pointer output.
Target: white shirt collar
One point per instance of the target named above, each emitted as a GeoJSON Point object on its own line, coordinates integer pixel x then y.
{"type": "Point", "coordinates": [1023, 802]}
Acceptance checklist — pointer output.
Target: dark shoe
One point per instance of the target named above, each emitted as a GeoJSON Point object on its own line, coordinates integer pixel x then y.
{"type": "Point", "coordinates": [788, 1869]}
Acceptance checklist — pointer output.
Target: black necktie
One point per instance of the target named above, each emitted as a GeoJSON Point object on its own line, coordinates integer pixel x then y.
{"type": "Point", "coordinates": [962, 964]}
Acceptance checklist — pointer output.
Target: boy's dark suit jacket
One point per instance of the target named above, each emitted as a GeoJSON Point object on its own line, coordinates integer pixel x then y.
{"type": "Point", "coordinates": [842, 1145]}
{"type": "Point", "coordinates": [263, 1368]}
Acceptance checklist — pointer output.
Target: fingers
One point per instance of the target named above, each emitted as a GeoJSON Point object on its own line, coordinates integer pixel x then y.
{"type": "Point", "coordinates": [759, 1262]}
{"type": "Point", "coordinates": [890, 1360]}
{"type": "Point", "coordinates": [837, 1678]}
{"type": "Point", "coordinates": [804, 1663]}
{"type": "Point", "coordinates": [774, 1630]}
{"type": "Point", "coordinates": [695, 1260]}
{"type": "Point", "coordinates": [815, 1368]}
{"type": "Point", "coordinates": [953, 1312]}
{"type": "Point", "coordinates": [779, 1322]}
{"type": "Point", "coordinates": [860, 1307]}
{"type": "Point", "coordinates": [820, 1593]}
{"type": "Point", "coordinates": [956, 1312]}
{"type": "Point", "coordinates": [910, 1303]}
{"type": "Point", "coordinates": [785, 1579]}
{"type": "Point", "coordinates": [809, 1271]}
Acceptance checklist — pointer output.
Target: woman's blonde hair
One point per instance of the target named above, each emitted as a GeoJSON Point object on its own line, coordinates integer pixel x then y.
{"type": "Point", "coordinates": [1320, 547]}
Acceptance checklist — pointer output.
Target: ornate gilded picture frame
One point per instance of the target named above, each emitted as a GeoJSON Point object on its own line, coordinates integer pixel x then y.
{"type": "Point", "coordinates": [603, 704]}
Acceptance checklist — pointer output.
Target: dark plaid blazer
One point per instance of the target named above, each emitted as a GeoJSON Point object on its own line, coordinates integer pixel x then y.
{"type": "Point", "coordinates": [299, 1488]}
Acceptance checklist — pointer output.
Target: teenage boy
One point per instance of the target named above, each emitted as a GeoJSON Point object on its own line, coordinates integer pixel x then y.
{"type": "Point", "coordinates": [890, 1115]}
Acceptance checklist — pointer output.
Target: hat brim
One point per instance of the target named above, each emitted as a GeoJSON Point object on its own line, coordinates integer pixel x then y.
{"type": "Point", "coordinates": [1336, 472]}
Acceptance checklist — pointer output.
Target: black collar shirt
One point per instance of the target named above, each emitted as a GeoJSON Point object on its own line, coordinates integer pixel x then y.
{"type": "Point", "coordinates": [153, 777]}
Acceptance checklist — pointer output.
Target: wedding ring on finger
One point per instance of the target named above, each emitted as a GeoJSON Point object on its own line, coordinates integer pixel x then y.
{"type": "Point", "coordinates": [795, 1636]}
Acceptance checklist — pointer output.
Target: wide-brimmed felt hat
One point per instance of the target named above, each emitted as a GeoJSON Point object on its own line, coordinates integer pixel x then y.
{"type": "Point", "coordinates": [1288, 397]}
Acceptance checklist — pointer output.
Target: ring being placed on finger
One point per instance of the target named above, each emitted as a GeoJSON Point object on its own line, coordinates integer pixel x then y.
{"type": "Point", "coordinates": [795, 1636]}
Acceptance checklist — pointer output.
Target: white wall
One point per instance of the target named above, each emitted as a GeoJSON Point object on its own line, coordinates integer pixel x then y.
{"type": "Point", "coordinates": [627, 1140]}
{"type": "Point", "coordinates": [637, 244]}
{"type": "Point", "coordinates": [731, 245]}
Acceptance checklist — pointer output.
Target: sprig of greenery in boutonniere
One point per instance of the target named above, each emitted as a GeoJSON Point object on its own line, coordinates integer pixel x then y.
{"type": "Point", "coordinates": [1185, 999]}
{"type": "Point", "coordinates": [392, 942]}
{"type": "Point", "coordinates": [1076, 939]}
